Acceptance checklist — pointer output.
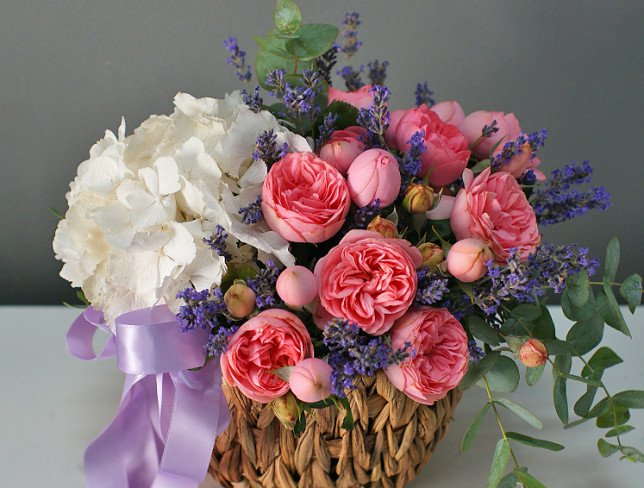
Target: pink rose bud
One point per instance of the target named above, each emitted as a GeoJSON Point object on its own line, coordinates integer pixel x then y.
{"type": "Point", "coordinates": [239, 300]}
{"type": "Point", "coordinates": [310, 380]}
{"type": "Point", "coordinates": [466, 260]}
{"type": "Point", "coordinates": [374, 175]}
{"type": "Point", "coordinates": [418, 198]}
{"type": "Point", "coordinates": [449, 112]}
{"type": "Point", "coordinates": [360, 98]}
{"type": "Point", "coordinates": [384, 227]}
{"type": "Point", "coordinates": [297, 286]}
{"type": "Point", "coordinates": [343, 148]}
{"type": "Point", "coordinates": [286, 410]}
{"type": "Point", "coordinates": [533, 353]}
{"type": "Point", "coordinates": [432, 254]}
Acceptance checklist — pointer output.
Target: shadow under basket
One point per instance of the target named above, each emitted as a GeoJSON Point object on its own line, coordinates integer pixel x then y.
{"type": "Point", "coordinates": [392, 439]}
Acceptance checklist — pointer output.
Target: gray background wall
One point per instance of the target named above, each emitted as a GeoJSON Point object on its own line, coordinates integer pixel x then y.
{"type": "Point", "coordinates": [69, 69]}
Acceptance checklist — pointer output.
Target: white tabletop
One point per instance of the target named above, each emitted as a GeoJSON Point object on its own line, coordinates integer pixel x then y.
{"type": "Point", "coordinates": [52, 405]}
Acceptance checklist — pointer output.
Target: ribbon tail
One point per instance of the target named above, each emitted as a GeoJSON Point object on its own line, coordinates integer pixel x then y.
{"type": "Point", "coordinates": [80, 334]}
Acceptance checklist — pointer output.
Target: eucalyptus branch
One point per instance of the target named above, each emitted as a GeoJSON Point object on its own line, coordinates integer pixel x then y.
{"type": "Point", "coordinates": [498, 420]}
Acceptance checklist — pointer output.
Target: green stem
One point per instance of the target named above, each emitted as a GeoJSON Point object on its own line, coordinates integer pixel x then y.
{"type": "Point", "coordinates": [498, 420]}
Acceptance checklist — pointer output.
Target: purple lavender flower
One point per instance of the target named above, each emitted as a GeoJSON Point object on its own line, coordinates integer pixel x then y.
{"type": "Point", "coordinates": [432, 287]}
{"type": "Point", "coordinates": [275, 81]}
{"type": "Point", "coordinates": [351, 77]}
{"type": "Point", "coordinates": [300, 99]}
{"type": "Point", "coordinates": [375, 119]}
{"type": "Point", "coordinates": [424, 95]}
{"type": "Point", "coordinates": [252, 213]}
{"type": "Point", "coordinates": [217, 241]}
{"type": "Point", "coordinates": [267, 149]}
{"type": "Point", "coordinates": [253, 101]}
{"type": "Point", "coordinates": [377, 71]}
{"type": "Point", "coordinates": [325, 64]}
{"type": "Point", "coordinates": [201, 308]}
{"type": "Point", "coordinates": [237, 59]}
{"type": "Point", "coordinates": [511, 149]}
{"type": "Point", "coordinates": [476, 353]}
{"type": "Point", "coordinates": [351, 43]}
{"type": "Point", "coordinates": [488, 130]}
{"type": "Point", "coordinates": [364, 215]}
{"type": "Point", "coordinates": [264, 286]}
{"type": "Point", "coordinates": [218, 341]}
{"type": "Point", "coordinates": [326, 130]}
{"type": "Point", "coordinates": [410, 163]}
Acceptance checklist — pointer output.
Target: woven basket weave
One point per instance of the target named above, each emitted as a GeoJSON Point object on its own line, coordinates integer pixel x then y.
{"type": "Point", "coordinates": [392, 439]}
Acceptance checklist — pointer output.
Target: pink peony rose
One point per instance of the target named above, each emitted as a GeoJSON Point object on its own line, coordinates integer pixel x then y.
{"type": "Point", "coordinates": [345, 145]}
{"type": "Point", "coordinates": [271, 340]}
{"type": "Point", "coordinates": [494, 209]}
{"type": "Point", "coordinates": [446, 153]}
{"type": "Point", "coordinates": [360, 98]}
{"type": "Point", "coordinates": [310, 380]}
{"type": "Point", "coordinates": [297, 286]}
{"type": "Point", "coordinates": [374, 175]}
{"type": "Point", "coordinates": [441, 355]}
{"type": "Point", "coordinates": [368, 279]}
{"type": "Point", "coordinates": [473, 124]}
{"type": "Point", "coordinates": [466, 259]}
{"type": "Point", "coordinates": [305, 199]}
{"type": "Point", "coordinates": [449, 111]}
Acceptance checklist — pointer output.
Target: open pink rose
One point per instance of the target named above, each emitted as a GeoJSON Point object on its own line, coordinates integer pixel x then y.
{"type": "Point", "coordinates": [374, 174]}
{"type": "Point", "coordinates": [493, 208]}
{"type": "Point", "coordinates": [368, 279]}
{"type": "Point", "coordinates": [305, 199]}
{"type": "Point", "coordinates": [271, 340]}
{"type": "Point", "coordinates": [310, 380]}
{"type": "Point", "coordinates": [472, 125]}
{"type": "Point", "coordinates": [343, 147]}
{"type": "Point", "coordinates": [449, 111]}
{"type": "Point", "coordinates": [446, 153]}
{"type": "Point", "coordinates": [440, 359]}
{"type": "Point", "coordinates": [360, 98]}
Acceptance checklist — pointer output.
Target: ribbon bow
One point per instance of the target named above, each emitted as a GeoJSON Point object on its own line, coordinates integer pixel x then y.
{"type": "Point", "coordinates": [164, 430]}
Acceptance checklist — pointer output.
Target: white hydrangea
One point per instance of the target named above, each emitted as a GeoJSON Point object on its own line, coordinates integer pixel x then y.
{"type": "Point", "coordinates": [141, 206]}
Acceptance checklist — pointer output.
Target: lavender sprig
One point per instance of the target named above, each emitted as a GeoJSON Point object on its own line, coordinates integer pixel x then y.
{"type": "Point", "coordinates": [476, 353]}
{"type": "Point", "coordinates": [275, 81]}
{"type": "Point", "coordinates": [252, 213]}
{"type": "Point", "coordinates": [432, 287]}
{"type": "Point", "coordinates": [377, 71]}
{"type": "Point", "coordinates": [424, 95]}
{"type": "Point", "coordinates": [326, 130]}
{"type": "Point", "coordinates": [325, 64]}
{"type": "Point", "coordinates": [351, 43]}
{"type": "Point", "coordinates": [254, 101]}
{"type": "Point", "coordinates": [202, 308]}
{"type": "Point", "coordinates": [410, 163]}
{"type": "Point", "coordinates": [237, 59]}
{"type": "Point", "coordinates": [510, 149]}
{"type": "Point", "coordinates": [217, 241]}
{"type": "Point", "coordinates": [267, 149]}
{"type": "Point", "coordinates": [351, 77]}
{"type": "Point", "coordinates": [375, 119]}
{"type": "Point", "coordinates": [300, 99]}
{"type": "Point", "coordinates": [264, 286]}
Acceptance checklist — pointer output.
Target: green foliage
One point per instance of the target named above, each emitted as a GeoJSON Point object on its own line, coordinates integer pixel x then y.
{"type": "Point", "coordinates": [534, 442]}
{"type": "Point", "coordinates": [287, 17]}
{"type": "Point", "coordinates": [481, 330]}
{"type": "Point", "coordinates": [575, 313]}
{"type": "Point", "coordinates": [631, 291]}
{"type": "Point", "coordinates": [609, 310]}
{"type": "Point", "coordinates": [533, 375]}
{"type": "Point", "coordinates": [612, 259]}
{"type": "Point", "coordinates": [606, 449]}
{"type": "Point", "coordinates": [476, 371]}
{"type": "Point", "coordinates": [347, 423]}
{"type": "Point", "coordinates": [510, 480]}
{"type": "Point", "coordinates": [560, 398]}
{"type": "Point", "coordinates": [585, 335]}
{"type": "Point", "coordinates": [619, 430]}
{"type": "Point", "coordinates": [522, 412]}
{"type": "Point", "coordinates": [630, 398]}
{"type": "Point", "coordinates": [473, 428]}
{"type": "Point", "coordinates": [499, 462]}
{"type": "Point", "coordinates": [347, 114]}
{"type": "Point", "coordinates": [503, 376]}
{"type": "Point", "coordinates": [602, 359]}
{"type": "Point", "coordinates": [527, 480]}
{"type": "Point", "coordinates": [578, 286]}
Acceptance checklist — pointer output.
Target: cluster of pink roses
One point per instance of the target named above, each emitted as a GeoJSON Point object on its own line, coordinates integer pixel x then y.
{"type": "Point", "coordinates": [370, 277]}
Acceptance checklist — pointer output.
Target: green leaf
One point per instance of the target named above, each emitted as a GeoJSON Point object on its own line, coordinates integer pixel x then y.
{"type": "Point", "coordinates": [347, 423]}
{"type": "Point", "coordinates": [609, 310]}
{"type": "Point", "coordinates": [56, 213]}
{"type": "Point", "coordinates": [558, 347]}
{"type": "Point", "coordinates": [617, 415]}
{"type": "Point", "coordinates": [266, 62]}
{"type": "Point", "coordinates": [601, 407]}
{"type": "Point", "coordinates": [575, 423]}
{"type": "Point", "coordinates": [313, 41]}
{"type": "Point", "coordinates": [504, 375]}
{"type": "Point", "coordinates": [543, 327]}
{"type": "Point", "coordinates": [578, 287]}
{"type": "Point", "coordinates": [630, 398]}
{"type": "Point", "coordinates": [300, 425]}
{"type": "Point", "coordinates": [582, 406]}
{"type": "Point", "coordinates": [522, 412]}
{"type": "Point", "coordinates": [476, 371]}
{"type": "Point", "coordinates": [510, 480]}
{"type": "Point", "coordinates": [619, 430]}
{"type": "Point", "coordinates": [529, 481]}
{"type": "Point", "coordinates": [589, 381]}
{"type": "Point", "coordinates": [563, 364]}
{"type": "Point", "coordinates": [328, 402]}
{"type": "Point", "coordinates": [534, 442]}
{"type": "Point", "coordinates": [527, 312]}
{"type": "Point", "coordinates": [274, 45]}
{"type": "Point", "coordinates": [631, 291]}
{"type": "Point", "coordinates": [499, 462]}
{"type": "Point", "coordinates": [602, 359]}
{"type": "Point", "coordinates": [560, 399]}
{"type": "Point", "coordinates": [632, 454]}
{"type": "Point", "coordinates": [287, 16]}
{"type": "Point", "coordinates": [473, 428]}
{"type": "Point", "coordinates": [481, 166]}
{"type": "Point", "coordinates": [606, 449]}
{"type": "Point", "coordinates": [612, 259]}
{"type": "Point", "coordinates": [585, 335]}
{"type": "Point", "coordinates": [347, 114]}
{"type": "Point", "coordinates": [483, 331]}
{"type": "Point", "coordinates": [575, 313]}
{"type": "Point", "coordinates": [533, 375]}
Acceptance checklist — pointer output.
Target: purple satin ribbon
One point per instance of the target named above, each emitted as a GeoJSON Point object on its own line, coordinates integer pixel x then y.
{"type": "Point", "coordinates": [164, 430]}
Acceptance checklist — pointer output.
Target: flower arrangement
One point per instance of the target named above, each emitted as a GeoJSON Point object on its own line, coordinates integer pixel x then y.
{"type": "Point", "coordinates": [291, 249]}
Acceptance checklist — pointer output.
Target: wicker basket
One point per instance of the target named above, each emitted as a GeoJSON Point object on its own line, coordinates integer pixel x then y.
{"type": "Point", "coordinates": [392, 439]}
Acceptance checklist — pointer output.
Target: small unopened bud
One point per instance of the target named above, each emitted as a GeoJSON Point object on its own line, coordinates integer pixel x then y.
{"type": "Point", "coordinates": [239, 300]}
{"type": "Point", "coordinates": [432, 254]}
{"type": "Point", "coordinates": [286, 410]}
{"type": "Point", "coordinates": [418, 198]}
{"type": "Point", "coordinates": [533, 353]}
{"type": "Point", "coordinates": [384, 227]}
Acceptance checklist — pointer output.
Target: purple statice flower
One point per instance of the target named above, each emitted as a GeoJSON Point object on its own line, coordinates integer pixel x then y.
{"type": "Point", "coordinates": [326, 130]}
{"type": "Point", "coordinates": [300, 99]}
{"type": "Point", "coordinates": [513, 148]}
{"type": "Point", "coordinates": [375, 119]}
{"type": "Point", "coordinates": [409, 163]}
{"type": "Point", "coordinates": [267, 149]}
{"type": "Point", "coordinates": [217, 241]}
{"type": "Point", "coordinates": [237, 59]}
{"type": "Point", "coordinates": [325, 64]}
{"type": "Point", "coordinates": [254, 101]}
{"type": "Point", "coordinates": [351, 77]}
{"type": "Point", "coordinates": [432, 287]}
{"type": "Point", "coordinates": [264, 285]}
{"type": "Point", "coordinates": [201, 308]}
{"type": "Point", "coordinates": [275, 81]}
{"type": "Point", "coordinates": [488, 130]}
{"type": "Point", "coordinates": [476, 353]}
{"type": "Point", "coordinates": [557, 201]}
{"type": "Point", "coordinates": [377, 71]}
{"type": "Point", "coordinates": [252, 213]}
{"type": "Point", "coordinates": [366, 214]}
{"type": "Point", "coordinates": [353, 352]}
{"type": "Point", "coordinates": [218, 340]}
{"type": "Point", "coordinates": [424, 95]}
{"type": "Point", "coordinates": [350, 43]}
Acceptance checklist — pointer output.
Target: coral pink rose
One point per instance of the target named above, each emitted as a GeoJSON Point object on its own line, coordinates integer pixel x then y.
{"type": "Point", "coordinates": [440, 359]}
{"type": "Point", "coordinates": [305, 199]}
{"type": "Point", "coordinates": [374, 175]}
{"type": "Point", "coordinates": [310, 380]}
{"type": "Point", "coordinates": [494, 209]}
{"type": "Point", "coordinates": [466, 259]}
{"type": "Point", "coordinates": [449, 111]}
{"type": "Point", "coordinates": [271, 340]}
{"type": "Point", "coordinates": [521, 163]}
{"type": "Point", "coordinates": [343, 147]}
{"type": "Point", "coordinates": [473, 124]}
{"type": "Point", "coordinates": [446, 153]}
{"type": "Point", "coordinates": [360, 98]}
{"type": "Point", "coordinates": [368, 279]}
